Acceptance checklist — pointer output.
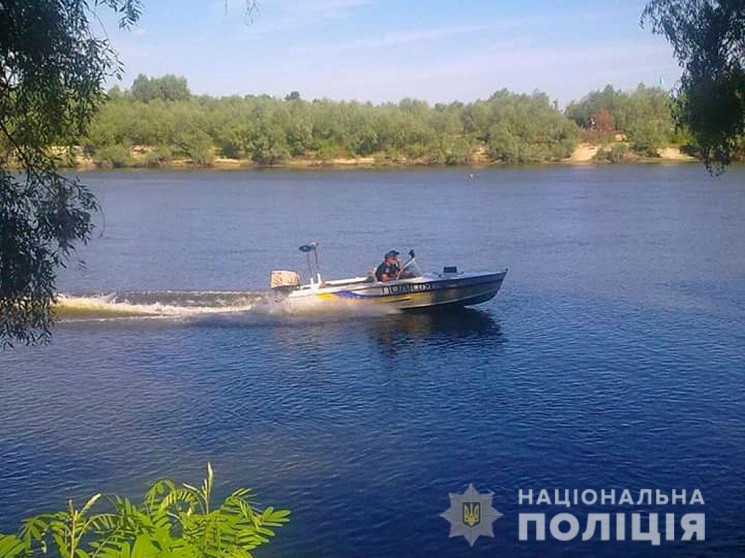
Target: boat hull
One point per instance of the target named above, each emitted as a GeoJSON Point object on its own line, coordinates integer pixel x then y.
{"type": "Point", "coordinates": [427, 291]}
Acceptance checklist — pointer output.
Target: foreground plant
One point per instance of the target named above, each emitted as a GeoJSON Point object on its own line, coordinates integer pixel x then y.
{"type": "Point", "coordinates": [172, 521]}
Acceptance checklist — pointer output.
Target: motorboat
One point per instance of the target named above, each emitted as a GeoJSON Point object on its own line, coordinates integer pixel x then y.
{"type": "Point", "coordinates": [411, 289]}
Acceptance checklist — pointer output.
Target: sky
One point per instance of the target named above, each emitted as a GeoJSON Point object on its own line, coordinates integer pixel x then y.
{"type": "Point", "coordinates": [384, 50]}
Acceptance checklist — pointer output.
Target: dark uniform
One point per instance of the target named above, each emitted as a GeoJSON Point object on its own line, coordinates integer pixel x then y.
{"type": "Point", "coordinates": [385, 269]}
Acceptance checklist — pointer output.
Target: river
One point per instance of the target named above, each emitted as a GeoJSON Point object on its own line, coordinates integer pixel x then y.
{"type": "Point", "coordinates": [613, 357]}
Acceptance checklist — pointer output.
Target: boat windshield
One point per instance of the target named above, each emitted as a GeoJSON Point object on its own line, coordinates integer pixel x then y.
{"type": "Point", "coordinates": [411, 270]}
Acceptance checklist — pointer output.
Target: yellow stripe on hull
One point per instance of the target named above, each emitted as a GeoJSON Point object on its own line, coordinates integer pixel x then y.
{"type": "Point", "coordinates": [479, 293]}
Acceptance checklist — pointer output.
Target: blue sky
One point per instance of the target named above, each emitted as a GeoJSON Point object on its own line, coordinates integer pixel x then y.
{"type": "Point", "coordinates": [381, 50]}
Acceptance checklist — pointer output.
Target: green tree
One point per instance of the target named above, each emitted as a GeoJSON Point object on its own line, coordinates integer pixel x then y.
{"type": "Point", "coordinates": [166, 88]}
{"type": "Point", "coordinates": [648, 120]}
{"type": "Point", "coordinates": [643, 115]}
{"type": "Point", "coordinates": [52, 69]}
{"type": "Point", "coordinates": [708, 39]}
{"type": "Point", "coordinates": [585, 112]}
{"type": "Point", "coordinates": [527, 129]}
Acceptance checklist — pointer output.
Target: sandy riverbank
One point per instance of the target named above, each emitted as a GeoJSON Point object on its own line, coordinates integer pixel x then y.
{"type": "Point", "coordinates": [584, 153]}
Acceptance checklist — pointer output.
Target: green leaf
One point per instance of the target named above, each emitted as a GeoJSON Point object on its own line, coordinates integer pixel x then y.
{"type": "Point", "coordinates": [90, 503]}
{"type": "Point", "coordinates": [11, 546]}
{"type": "Point", "coordinates": [142, 548]}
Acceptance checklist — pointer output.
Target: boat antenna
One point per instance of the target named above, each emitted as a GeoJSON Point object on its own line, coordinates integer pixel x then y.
{"type": "Point", "coordinates": [313, 267]}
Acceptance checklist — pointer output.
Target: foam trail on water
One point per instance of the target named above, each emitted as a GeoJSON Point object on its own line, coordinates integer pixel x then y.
{"type": "Point", "coordinates": [179, 305]}
{"type": "Point", "coordinates": [165, 304]}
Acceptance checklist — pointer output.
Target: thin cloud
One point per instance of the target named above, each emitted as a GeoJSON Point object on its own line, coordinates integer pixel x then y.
{"type": "Point", "coordinates": [321, 9]}
{"type": "Point", "coordinates": [399, 38]}
{"type": "Point", "coordinates": [395, 39]}
{"type": "Point", "coordinates": [330, 6]}
{"type": "Point", "coordinates": [293, 16]}
{"type": "Point", "coordinates": [418, 36]}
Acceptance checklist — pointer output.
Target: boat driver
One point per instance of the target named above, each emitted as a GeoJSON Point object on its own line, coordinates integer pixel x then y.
{"type": "Point", "coordinates": [389, 269]}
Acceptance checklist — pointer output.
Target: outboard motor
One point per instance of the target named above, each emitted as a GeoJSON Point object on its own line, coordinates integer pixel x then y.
{"type": "Point", "coordinates": [284, 280]}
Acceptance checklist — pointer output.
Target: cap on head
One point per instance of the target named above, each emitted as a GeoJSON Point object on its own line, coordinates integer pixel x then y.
{"type": "Point", "coordinates": [391, 254]}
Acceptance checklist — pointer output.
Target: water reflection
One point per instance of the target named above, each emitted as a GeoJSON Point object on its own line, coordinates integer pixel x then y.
{"type": "Point", "coordinates": [450, 325]}
{"type": "Point", "coordinates": [408, 341]}
{"type": "Point", "coordinates": [394, 329]}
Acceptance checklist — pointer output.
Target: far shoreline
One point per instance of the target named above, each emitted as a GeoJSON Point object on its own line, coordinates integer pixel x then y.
{"type": "Point", "coordinates": [584, 155]}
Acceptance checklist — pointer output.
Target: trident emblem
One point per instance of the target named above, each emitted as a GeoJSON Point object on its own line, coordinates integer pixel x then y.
{"type": "Point", "coordinates": [471, 513]}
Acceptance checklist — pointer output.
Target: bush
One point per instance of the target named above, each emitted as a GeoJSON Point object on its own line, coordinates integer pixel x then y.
{"type": "Point", "coordinates": [171, 521]}
{"type": "Point", "coordinates": [269, 152]}
{"type": "Point", "coordinates": [201, 155]}
{"type": "Point", "coordinates": [646, 137]}
{"type": "Point", "coordinates": [158, 156]}
{"type": "Point", "coordinates": [617, 153]}
{"type": "Point", "coordinates": [113, 156]}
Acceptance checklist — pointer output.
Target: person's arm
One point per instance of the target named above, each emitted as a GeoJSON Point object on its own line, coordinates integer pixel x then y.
{"type": "Point", "coordinates": [379, 275]}
{"type": "Point", "coordinates": [396, 270]}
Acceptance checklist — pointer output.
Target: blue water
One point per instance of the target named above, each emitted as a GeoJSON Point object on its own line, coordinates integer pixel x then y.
{"type": "Point", "coordinates": [612, 358]}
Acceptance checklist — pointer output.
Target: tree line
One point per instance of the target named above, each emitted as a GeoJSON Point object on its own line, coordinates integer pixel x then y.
{"type": "Point", "coordinates": [158, 121]}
